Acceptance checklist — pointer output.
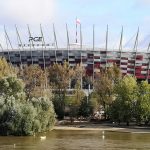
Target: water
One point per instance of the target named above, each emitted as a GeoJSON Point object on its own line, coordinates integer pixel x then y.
{"type": "Point", "coordinates": [78, 140]}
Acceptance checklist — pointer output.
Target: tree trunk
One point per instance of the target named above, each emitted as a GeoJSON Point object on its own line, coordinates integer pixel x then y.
{"type": "Point", "coordinates": [127, 123]}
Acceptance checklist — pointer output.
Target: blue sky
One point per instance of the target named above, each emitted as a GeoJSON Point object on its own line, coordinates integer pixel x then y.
{"type": "Point", "coordinates": [130, 14]}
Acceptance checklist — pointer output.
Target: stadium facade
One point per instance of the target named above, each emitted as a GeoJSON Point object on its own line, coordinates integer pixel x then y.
{"type": "Point", "coordinates": [133, 62]}
{"type": "Point", "coordinates": [130, 62]}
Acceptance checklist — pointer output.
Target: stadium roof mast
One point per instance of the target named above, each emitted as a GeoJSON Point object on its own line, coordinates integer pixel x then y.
{"type": "Point", "coordinates": [68, 41]}
{"type": "Point", "coordinates": [136, 41]}
{"type": "Point", "coordinates": [148, 63]}
{"type": "Point", "coordinates": [106, 48]}
{"type": "Point", "coordinates": [43, 50]}
{"type": "Point", "coordinates": [55, 41]}
{"type": "Point", "coordinates": [19, 42]}
{"type": "Point", "coordinates": [120, 45]}
{"type": "Point", "coordinates": [121, 38]}
{"type": "Point", "coordinates": [148, 47]}
{"type": "Point", "coordinates": [43, 44]}
{"type": "Point", "coordinates": [7, 40]}
{"type": "Point", "coordinates": [68, 48]}
{"type": "Point", "coordinates": [93, 48]}
{"type": "Point", "coordinates": [81, 53]}
{"type": "Point", "coordinates": [135, 48]}
{"type": "Point", "coordinates": [81, 40]}
{"type": "Point", "coordinates": [31, 43]}
{"type": "Point", "coordinates": [76, 40]}
{"type": "Point", "coordinates": [1, 47]}
{"type": "Point", "coordinates": [19, 38]}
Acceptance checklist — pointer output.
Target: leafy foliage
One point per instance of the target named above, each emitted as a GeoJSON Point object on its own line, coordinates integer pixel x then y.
{"type": "Point", "coordinates": [35, 79]}
{"type": "Point", "coordinates": [86, 107]}
{"type": "Point", "coordinates": [59, 77]}
{"type": "Point", "coordinates": [19, 116]}
{"type": "Point", "coordinates": [6, 69]}
{"type": "Point", "coordinates": [104, 86]}
{"type": "Point", "coordinates": [126, 96]}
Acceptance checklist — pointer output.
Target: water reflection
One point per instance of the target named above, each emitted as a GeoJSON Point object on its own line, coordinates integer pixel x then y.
{"type": "Point", "coordinates": [82, 140]}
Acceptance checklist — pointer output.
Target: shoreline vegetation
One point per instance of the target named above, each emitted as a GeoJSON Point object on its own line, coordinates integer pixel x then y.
{"type": "Point", "coordinates": [33, 97]}
{"type": "Point", "coordinates": [93, 126]}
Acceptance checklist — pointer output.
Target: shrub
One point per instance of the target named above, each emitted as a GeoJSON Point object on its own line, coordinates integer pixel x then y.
{"type": "Point", "coordinates": [19, 116]}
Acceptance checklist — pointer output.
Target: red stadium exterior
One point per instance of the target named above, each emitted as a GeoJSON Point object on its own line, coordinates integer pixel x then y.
{"type": "Point", "coordinates": [130, 62]}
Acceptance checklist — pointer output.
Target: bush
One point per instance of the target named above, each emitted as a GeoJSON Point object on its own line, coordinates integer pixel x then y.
{"type": "Point", "coordinates": [19, 116]}
{"type": "Point", "coordinates": [86, 108]}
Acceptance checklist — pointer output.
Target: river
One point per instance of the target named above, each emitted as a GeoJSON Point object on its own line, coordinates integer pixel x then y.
{"type": "Point", "coordinates": [78, 140]}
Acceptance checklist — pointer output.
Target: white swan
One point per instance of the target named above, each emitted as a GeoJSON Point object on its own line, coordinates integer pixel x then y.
{"type": "Point", "coordinates": [43, 137]}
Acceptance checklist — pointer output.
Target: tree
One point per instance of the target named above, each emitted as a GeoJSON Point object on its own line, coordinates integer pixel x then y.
{"type": "Point", "coordinates": [142, 104]}
{"type": "Point", "coordinates": [104, 86]}
{"type": "Point", "coordinates": [11, 86]}
{"type": "Point", "coordinates": [19, 116]}
{"type": "Point", "coordinates": [6, 69]}
{"type": "Point", "coordinates": [86, 108]}
{"type": "Point", "coordinates": [35, 80]}
{"type": "Point", "coordinates": [126, 96]}
{"type": "Point", "coordinates": [59, 77]}
{"type": "Point", "coordinates": [75, 101]}
{"type": "Point", "coordinates": [78, 75]}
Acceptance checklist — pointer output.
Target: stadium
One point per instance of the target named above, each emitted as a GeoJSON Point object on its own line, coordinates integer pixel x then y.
{"type": "Point", "coordinates": [131, 62]}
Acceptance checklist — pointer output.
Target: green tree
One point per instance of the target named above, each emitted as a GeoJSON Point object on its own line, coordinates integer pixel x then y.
{"type": "Point", "coordinates": [19, 116]}
{"type": "Point", "coordinates": [126, 96]}
{"type": "Point", "coordinates": [142, 104]}
{"type": "Point", "coordinates": [11, 86]}
{"type": "Point", "coordinates": [87, 107]}
{"type": "Point", "coordinates": [104, 86]}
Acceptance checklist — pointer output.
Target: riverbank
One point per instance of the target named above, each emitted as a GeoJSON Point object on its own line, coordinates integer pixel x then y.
{"type": "Point", "coordinates": [103, 127]}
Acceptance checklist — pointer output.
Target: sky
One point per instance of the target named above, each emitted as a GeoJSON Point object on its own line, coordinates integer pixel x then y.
{"type": "Point", "coordinates": [130, 14]}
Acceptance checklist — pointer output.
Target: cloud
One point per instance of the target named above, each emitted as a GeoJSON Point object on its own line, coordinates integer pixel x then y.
{"type": "Point", "coordinates": [27, 11]}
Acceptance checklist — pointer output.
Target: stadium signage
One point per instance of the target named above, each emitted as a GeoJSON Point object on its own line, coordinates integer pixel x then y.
{"type": "Point", "coordinates": [35, 39]}
{"type": "Point", "coordinates": [37, 45]}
